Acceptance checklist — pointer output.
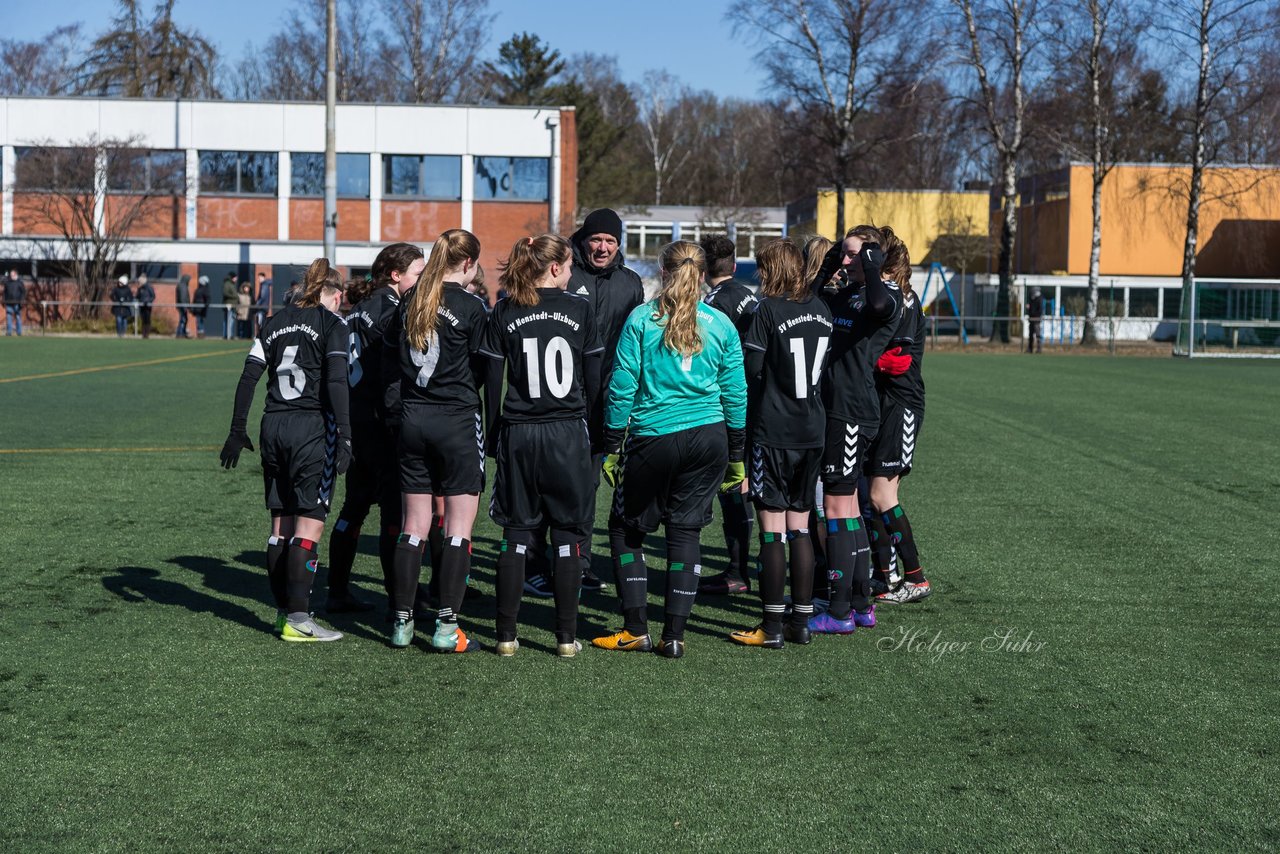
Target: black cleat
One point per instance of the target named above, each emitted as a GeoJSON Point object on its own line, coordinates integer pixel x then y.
{"type": "Point", "coordinates": [670, 648]}
{"type": "Point", "coordinates": [798, 634]}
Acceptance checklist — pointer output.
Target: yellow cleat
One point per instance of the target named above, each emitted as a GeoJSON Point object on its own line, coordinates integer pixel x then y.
{"type": "Point", "coordinates": [624, 641]}
{"type": "Point", "coordinates": [756, 637]}
{"type": "Point", "coordinates": [506, 649]}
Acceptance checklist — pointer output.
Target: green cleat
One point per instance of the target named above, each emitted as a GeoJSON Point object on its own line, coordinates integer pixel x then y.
{"type": "Point", "coordinates": [401, 633]}
{"type": "Point", "coordinates": [449, 638]}
{"type": "Point", "coordinates": [307, 631]}
{"type": "Point", "coordinates": [281, 618]}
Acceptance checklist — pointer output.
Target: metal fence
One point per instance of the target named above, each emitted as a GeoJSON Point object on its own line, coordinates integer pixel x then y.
{"type": "Point", "coordinates": [217, 320]}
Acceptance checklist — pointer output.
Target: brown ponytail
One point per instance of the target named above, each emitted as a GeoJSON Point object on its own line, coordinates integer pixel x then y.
{"type": "Point", "coordinates": [529, 261]}
{"type": "Point", "coordinates": [394, 258]}
{"type": "Point", "coordinates": [684, 263]}
{"type": "Point", "coordinates": [319, 279]}
{"type": "Point", "coordinates": [449, 251]}
{"type": "Point", "coordinates": [897, 260]}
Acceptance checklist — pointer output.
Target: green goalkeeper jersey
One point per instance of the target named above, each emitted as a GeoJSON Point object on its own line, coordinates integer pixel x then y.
{"type": "Point", "coordinates": [654, 391]}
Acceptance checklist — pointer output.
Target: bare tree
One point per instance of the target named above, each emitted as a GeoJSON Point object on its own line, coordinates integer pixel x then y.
{"type": "Point", "coordinates": [42, 66]}
{"type": "Point", "coordinates": [442, 42]}
{"type": "Point", "coordinates": [1221, 37]}
{"type": "Point", "coordinates": [828, 57]}
{"type": "Point", "coordinates": [667, 125]}
{"type": "Point", "coordinates": [1000, 41]}
{"type": "Point", "coordinates": [152, 58]}
{"type": "Point", "coordinates": [71, 190]}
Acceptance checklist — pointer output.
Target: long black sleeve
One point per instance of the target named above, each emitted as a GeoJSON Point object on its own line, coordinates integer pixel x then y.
{"type": "Point", "coordinates": [337, 389]}
{"type": "Point", "coordinates": [492, 400]}
{"type": "Point", "coordinates": [753, 363]}
{"type": "Point", "coordinates": [244, 394]}
{"type": "Point", "coordinates": [592, 368]}
{"type": "Point", "coordinates": [830, 263]}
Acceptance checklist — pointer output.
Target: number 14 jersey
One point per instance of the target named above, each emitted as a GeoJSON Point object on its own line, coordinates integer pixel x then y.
{"type": "Point", "coordinates": [785, 408]}
{"type": "Point", "coordinates": [544, 345]}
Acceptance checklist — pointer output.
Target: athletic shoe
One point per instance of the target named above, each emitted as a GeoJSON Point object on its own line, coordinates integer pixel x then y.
{"type": "Point", "coordinates": [506, 649]}
{"type": "Point", "coordinates": [592, 582]}
{"type": "Point", "coordinates": [450, 638]}
{"type": "Point", "coordinates": [539, 585]}
{"type": "Point", "coordinates": [568, 650]}
{"type": "Point", "coordinates": [864, 621]}
{"type": "Point", "coordinates": [345, 603]}
{"type": "Point", "coordinates": [723, 584]}
{"type": "Point", "coordinates": [756, 637]}
{"type": "Point", "coordinates": [670, 648]}
{"type": "Point", "coordinates": [624, 641]}
{"type": "Point", "coordinates": [906, 592]}
{"type": "Point", "coordinates": [307, 631]}
{"type": "Point", "coordinates": [401, 633]}
{"type": "Point", "coordinates": [825, 624]}
{"type": "Point", "coordinates": [797, 634]}
{"type": "Point", "coordinates": [281, 618]}
{"type": "Point", "coordinates": [878, 587]}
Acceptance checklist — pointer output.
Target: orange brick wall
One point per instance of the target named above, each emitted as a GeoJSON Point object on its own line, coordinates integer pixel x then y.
{"type": "Point", "coordinates": [568, 170]}
{"type": "Point", "coordinates": [306, 219]}
{"type": "Point", "coordinates": [29, 215]}
{"type": "Point", "coordinates": [160, 217]}
{"type": "Point", "coordinates": [418, 222]}
{"type": "Point", "coordinates": [237, 218]}
{"type": "Point", "coordinates": [501, 224]}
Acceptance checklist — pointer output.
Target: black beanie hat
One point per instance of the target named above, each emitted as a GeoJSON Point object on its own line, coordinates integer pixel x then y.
{"type": "Point", "coordinates": [603, 221]}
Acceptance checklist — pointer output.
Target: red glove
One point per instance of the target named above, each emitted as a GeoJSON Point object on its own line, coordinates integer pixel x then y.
{"type": "Point", "coordinates": [894, 362]}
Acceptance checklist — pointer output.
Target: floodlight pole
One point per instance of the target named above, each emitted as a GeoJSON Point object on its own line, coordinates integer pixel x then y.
{"type": "Point", "coordinates": [330, 135]}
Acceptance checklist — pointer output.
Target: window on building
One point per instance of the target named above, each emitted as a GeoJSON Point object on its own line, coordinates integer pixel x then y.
{"type": "Point", "coordinates": [306, 175]}
{"type": "Point", "coordinates": [1144, 302]}
{"type": "Point", "coordinates": [424, 176]}
{"type": "Point", "coordinates": [523, 178]}
{"type": "Point", "coordinates": [239, 172]}
{"type": "Point", "coordinates": [57, 169]}
{"type": "Point", "coordinates": [1172, 303]}
{"type": "Point", "coordinates": [155, 271]}
{"type": "Point", "coordinates": [132, 170]}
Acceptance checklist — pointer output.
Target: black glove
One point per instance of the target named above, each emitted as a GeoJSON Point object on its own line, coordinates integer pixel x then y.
{"type": "Point", "coordinates": [830, 264]}
{"type": "Point", "coordinates": [613, 441]}
{"type": "Point", "coordinates": [344, 454]}
{"type": "Point", "coordinates": [237, 441]}
{"type": "Point", "coordinates": [872, 259]}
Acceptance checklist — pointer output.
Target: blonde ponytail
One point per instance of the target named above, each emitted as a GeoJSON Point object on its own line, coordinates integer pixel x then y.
{"type": "Point", "coordinates": [450, 249]}
{"type": "Point", "coordinates": [684, 263]}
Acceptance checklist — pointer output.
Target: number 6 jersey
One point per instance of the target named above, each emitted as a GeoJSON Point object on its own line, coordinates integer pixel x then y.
{"type": "Point", "coordinates": [293, 344]}
{"type": "Point", "coordinates": [791, 340]}
{"type": "Point", "coordinates": [544, 346]}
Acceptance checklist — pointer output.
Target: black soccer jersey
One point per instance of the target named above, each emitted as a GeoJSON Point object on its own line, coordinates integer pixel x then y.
{"type": "Point", "coordinates": [293, 344]}
{"type": "Point", "coordinates": [785, 406]}
{"type": "Point", "coordinates": [735, 300]}
{"type": "Point", "coordinates": [544, 345]}
{"type": "Point", "coordinates": [366, 324]}
{"type": "Point", "coordinates": [858, 339]}
{"type": "Point", "coordinates": [909, 334]}
{"type": "Point", "coordinates": [443, 374]}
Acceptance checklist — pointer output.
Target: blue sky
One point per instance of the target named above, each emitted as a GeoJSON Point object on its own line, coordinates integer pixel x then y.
{"type": "Point", "coordinates": [688, 38]}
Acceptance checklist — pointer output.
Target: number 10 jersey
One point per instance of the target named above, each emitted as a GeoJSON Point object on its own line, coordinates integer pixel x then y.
{"type": "Point", "coordinates": [544, 345]}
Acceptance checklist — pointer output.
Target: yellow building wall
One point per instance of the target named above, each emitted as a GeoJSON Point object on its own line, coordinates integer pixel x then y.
{"type": "Point", "coordinates": [918, 217]}
{"type": "Point", "coordinates": [1144, 216]}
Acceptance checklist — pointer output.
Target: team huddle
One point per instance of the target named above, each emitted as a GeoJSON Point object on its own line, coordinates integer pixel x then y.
{"type": "Point", "coordinates": [803, 400]}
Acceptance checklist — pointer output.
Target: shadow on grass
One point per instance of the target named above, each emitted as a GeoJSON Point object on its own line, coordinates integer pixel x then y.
{"type": "Point", "coordinates": [222, 580]}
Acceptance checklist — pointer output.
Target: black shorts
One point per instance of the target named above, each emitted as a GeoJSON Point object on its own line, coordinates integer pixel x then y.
{"type": "Point", "coordinates": [374, 476]}
{"type": "Point", "coordinates": [544, 477]}
{"type": "Point", "coordinates": [441, 452]}
{"type": "Point", "coordinates": [672, 479]}
{"type": "Point", "coordinates": [299, 456]}
{"type": "Point", "coordinates": [784, 478]}
{"type": "Point", "coordinates": [844, 456]}
{"type": "Point", "coordinates": [895, 445]}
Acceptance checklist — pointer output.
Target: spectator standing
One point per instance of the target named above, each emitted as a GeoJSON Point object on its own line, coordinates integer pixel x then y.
{"type": "Point", "coordinates": [121, 298]}
{"type": "Point", "coordinates": [1035, 311]}
{"type": "Point", "coordinates": [243, 301]}
{"type": "Point", "coordinates": [182, 296]}
{"type": "Point", "coordinates": [230, 299]}
{"type": "Point", "coordinates": [262, 305]}
{"type": "Point", "coordinates": [15, 293]}
{"type": "Point", "coordinates": [201, 299]}
{"type": "Point", "coordinates": [146, 297]}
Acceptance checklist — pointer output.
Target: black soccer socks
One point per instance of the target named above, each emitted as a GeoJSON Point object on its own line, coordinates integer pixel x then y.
{"type": "Point", "coordinates": [455, 567]}
{"type": "Point", "coordinates": [510, 584]}
{"type": "Point", "coordinates": [802, 569]}
{"type": "Point", "coordinates": [300, 567]}
{"type": "Point", "coordinates": [277, 573]}
{"type": "Point", "coordinates": [342, 555]}
{"type": "Point", "coordinates": [684, 565]}
{"type": "Point", "coordinates": [773, 580]}
{"type": "Point", "coordinates": [568, 587]}
{"type": "Point", "coordinates": [881, 548]}
{"type": "Point", "coordinates": [895, 520]}
{"type": "Point", "coordinates": [631, 574]}
{"type": "Point", "coordinates": [841, 548]}
{"type": "Point", "coordinates": [406, 569]}
{"type": "Point", "coordinates": [737, 533]}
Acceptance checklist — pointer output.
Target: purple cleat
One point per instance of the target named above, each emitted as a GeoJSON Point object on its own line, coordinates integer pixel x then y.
{"type": "Point", "coordinates": [825, 624]}
{"type": "Point", "coordinates": [864, 621]}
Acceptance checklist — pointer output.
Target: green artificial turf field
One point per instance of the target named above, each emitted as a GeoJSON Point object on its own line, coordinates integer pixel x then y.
{"type": "Point", "coordinates": [1115, 519]}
